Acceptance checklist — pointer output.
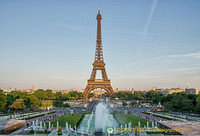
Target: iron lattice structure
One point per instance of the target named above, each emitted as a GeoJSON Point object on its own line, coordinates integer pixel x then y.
{"type": "Point", "coordinates": [98, 64]}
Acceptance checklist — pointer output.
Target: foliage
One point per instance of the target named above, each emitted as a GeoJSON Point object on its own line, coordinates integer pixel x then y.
{"type": "Point", "coordinates": [19, 94]}
{"type": "Point", "coordinates": [66, 105]}
{"type": "Point", "coordinates": [10, 99]}
{"type": "Point", "coordinates": [198, 104]}
{"type": "Point", "coordinates": [133, 103]}
{"type": "Point", "coordinates": [58, 103]}
{"type": "Point", "coordinates": [49, 94]}
{"type": "Point", "coordinates": [137, 95]}
{"type": "Point", "coordinates": [18, 104]}
{"type": "Point", "coordinates": [74, 95]}
{"type": "Point", "coordinates": [126, 118]}
{"type": "Point", "coordinates": [69, 118]}
{"type": "Point", "coordinates": [3, 100]}
{"type": "Point", "coordinates": [34, 101]}
{"type": "Point", "coordinates": [122, 95]}
{"type": "Point", "coordinates": [124, 103]}
{"type": "Point", "coordinates": [91, 95]}
{"type": "Point", "coordinates": [46, 103]}
{"type": "Point", "coordinates": [152, 94]}
{"type": "Point", "coordinates": [40, 94]}
{"type": "Point", "coordinates": [177, 101]}
{"type": "Point", "coordinates": [58, 95]}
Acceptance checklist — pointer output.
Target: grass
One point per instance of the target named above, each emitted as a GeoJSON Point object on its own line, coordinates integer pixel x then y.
{"type": "Point", "coordinates": [11, 113]}
{"type": "Point", "coordinates": [51, 112]}
{"type": "Point", "coordinates": [69, 118]}
{"type": "Point", "coordinates": [159, 116]}
{"type": "Point", "coordinates": [190, 114]}
{"type": "Point", "coordinates": [34, 116]}
{"type": "Point", "coordinates": [126, 118]}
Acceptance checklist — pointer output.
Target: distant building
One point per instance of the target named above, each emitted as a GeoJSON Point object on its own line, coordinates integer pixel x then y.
{"type": "Point", "coordinates": [145, 90]}
{"type": "Point", "coordinates": [116, 89]}
{"type": "Point", "coordinates": [158, 90]}
{"type": "Point", "coordinates": [191, 91]}
{"type": "Point", "coordinates": [154, 88]}
{"type": "Point", "coordinates": [171, 90]}
{"type": "Point", "coordinates": [33, 88]}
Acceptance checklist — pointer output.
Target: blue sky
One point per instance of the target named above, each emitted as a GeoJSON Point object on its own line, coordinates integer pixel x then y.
{"type": "Point", "coordinates": [146, 43]}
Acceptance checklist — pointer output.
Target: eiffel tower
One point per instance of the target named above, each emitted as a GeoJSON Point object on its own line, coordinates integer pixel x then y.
{"type": "Point", "coordinates": [98, 64]}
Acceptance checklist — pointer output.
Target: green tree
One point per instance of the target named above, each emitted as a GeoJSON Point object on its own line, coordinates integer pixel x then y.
{"type": "Point", "coordinates": [10, 99]}
{"type": "Point", "coordinates": [64, 97]}
{"type": "Point", "coordinates": [124, 103]}
{"type": "Point", "coordinates": [91, 95]}
{"type": "Point", "coordinates": [58, 95]}
{"type": "Point", "coordinates": [132, 103]}
{"type": "Point", "coordinates": [66, 105]}
{"type": "Point", "coordinates": [34, 101]}
{"type": "Point", "coordinates": [40, 94]}
{"type": "Point", "coordinates": [46, 103]}
{"type": "Point", "coordinates": [58, 103]}
{"type": "Point", "coordinates": [74, 95]}
{"type": "Point", "coordinates": [19, 94]}
{"type": "Point", "coordinates": [3, 100]}
{"type": "Point", "coordinates": [152, 94]}
{"type": "Point", "coordinates": [138, 95]}
{"type": "Point", "coordinates": [123, 95]}
{"type": "Point", "coordinates": [18, 104]}
{"type": "Point", "coordinates": [27, 102]}
{"type": "Point", "coordinates": [49, 94]}
{"type": "Point", "coordinates": [198, 104]}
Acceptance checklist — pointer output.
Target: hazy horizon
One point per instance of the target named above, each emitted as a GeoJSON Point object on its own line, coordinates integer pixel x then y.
{"type": "Point", "coordinates": [146, 43]}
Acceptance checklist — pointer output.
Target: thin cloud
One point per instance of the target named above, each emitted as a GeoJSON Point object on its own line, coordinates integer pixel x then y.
{"type": "Point", "coordinates": [195, 55]}
{"type": "Point", "coordinates": [150, 16]}
{"type": "Point", "coordinates": [192, 55]}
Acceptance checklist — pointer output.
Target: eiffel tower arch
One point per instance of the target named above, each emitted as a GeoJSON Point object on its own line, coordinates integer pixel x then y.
{"type": "Point", "coordinates": [98, 64]}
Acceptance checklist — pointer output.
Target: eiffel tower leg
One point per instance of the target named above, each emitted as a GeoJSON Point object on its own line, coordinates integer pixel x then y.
{"type": "Point", "coordinates": [109, 89]}
{"type": "Point", "coordinates": [87, 91]}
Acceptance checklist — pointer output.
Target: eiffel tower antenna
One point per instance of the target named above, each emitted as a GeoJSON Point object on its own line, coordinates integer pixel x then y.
{"type": "Point", "coordinates": [99, 50]}
{"type": "Point", "coordinates": [98, 64]}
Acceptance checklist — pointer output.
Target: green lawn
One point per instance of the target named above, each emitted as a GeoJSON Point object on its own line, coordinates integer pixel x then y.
{"type": "Point", "coordinates": [177, 113]}
{"type": "Point", "coordinates": [69, 118]}
{"type": "Point", "coordinates": [126, 118]}
{"type": "Point", "coordinates": [34, 116]}
{"type": "Point", "coordinates": [159, 116]}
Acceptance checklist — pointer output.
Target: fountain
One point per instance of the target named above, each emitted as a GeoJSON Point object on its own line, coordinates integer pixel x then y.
{"type": "Point", "coordinates": [40, 124]}
{"type": "Point", "coordinates": [156, 126]}
{"type": "Point", "coordinates": [67, 126]}
{"type": "Point", "coordinates": [49, 125]}
{"type": "Point", "coordinates": [152, 124]}
{"type": "Point", "coordinates": [121, 127]}
{"type": "Point", "coordinates": [57, 124]}
{"type": "Point", "coordinates": [102, 118]}
{"type": "Point", "coordinates": [129, 125]}
{"type": "Point", "coordinates": [33, 124]}
{"type": "Point", "coordinates": [125, 126]}
{"type": "Point", "coordinates": [97, 123]}
{"type": "Point", "coordinates": [139, 124]}
{"type": "Point", "coordinates": [70, 126]}
{"type": "Point", "coordinates": [89, 120]}
{"type": "Point", "coordinates": [44, 125]}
